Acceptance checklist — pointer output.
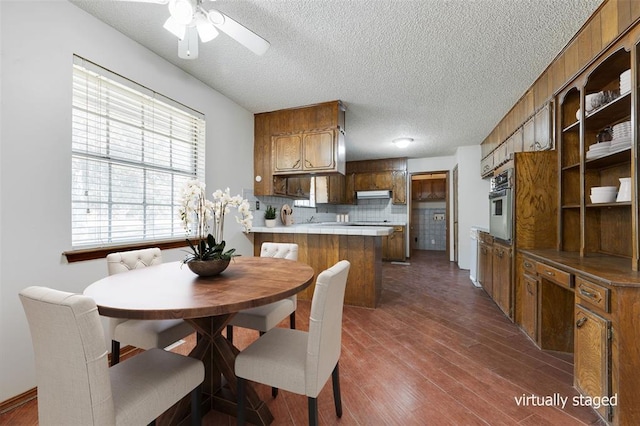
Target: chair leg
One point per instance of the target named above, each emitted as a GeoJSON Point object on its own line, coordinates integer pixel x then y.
{"type": "Point", "coordinates": [313, 411]}
{"type": "Point", "coordinates": [242, 400]}
{"type": "Point", "coordinates": [337, 399]}
{"type": "Point", "coordinates": [230, 333]}
{"type": "Point", "coordinates": [292, 320]}
{"type": "Point", "coordinates": [196, 415]}
{"type": "Point", "coordinates": [115, 352]}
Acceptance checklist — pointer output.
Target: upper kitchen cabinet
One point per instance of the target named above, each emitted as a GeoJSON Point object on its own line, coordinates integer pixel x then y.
{"type": "Point", "coordinates": [313, 135]}
{"type": "Point", "coordinates": [596, 150]}
{"type": "Point", "coordinates": [386, 174]}
{"type": "Point", "coordinates": [310, 152]}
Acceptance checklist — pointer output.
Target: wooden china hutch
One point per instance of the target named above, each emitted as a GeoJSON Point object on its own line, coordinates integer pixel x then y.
{"type": "Point", "coordinates": [582, 295]}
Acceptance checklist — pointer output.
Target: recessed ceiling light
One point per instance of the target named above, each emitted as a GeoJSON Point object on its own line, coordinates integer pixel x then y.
{"type": "Point", "coordinates": [402, 142]}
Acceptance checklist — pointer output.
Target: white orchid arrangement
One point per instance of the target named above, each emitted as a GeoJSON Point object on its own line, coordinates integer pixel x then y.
{"type": "Point", "coordinates": [196, 213]}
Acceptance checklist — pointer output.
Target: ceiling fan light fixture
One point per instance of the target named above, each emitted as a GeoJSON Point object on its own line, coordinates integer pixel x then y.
{"type": "Point", "coordinates": [175, 28]}
{"type": "Point", "coordinates": [402, 142]}
{"type": "Point", "coordinates": [215, 17]}
{"type": "Point", "coordinates": [181, 11]}
{"type": "Point", "coordinates": [206, 30]}
{"type": "Point", "coordinates": [188, 46]}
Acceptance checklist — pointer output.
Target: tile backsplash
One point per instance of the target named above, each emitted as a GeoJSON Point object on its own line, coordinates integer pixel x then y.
{"type": "Point", "coordinates": [365, 210]}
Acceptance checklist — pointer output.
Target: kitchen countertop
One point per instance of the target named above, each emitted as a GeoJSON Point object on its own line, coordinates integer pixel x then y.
{"type": "Point", "coordinates": [373, 229]}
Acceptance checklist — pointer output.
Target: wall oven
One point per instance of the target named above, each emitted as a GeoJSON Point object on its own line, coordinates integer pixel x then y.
{"type": "Point", "coordinates": [501, 214]}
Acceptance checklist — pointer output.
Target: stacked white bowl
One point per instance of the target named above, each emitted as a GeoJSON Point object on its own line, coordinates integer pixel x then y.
{"type": "Point", "coordinates": [603, 194]}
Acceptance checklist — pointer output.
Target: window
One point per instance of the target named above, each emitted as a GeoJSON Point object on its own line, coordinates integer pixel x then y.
{"type": "Point", "coordinates": [132, 151]}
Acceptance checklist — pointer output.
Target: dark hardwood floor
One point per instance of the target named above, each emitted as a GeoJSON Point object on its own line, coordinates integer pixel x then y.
{"type": "Point", "coordinates": [437, 351]}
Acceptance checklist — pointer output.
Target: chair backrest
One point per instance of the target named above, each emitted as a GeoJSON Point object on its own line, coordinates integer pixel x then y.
{"type": "Point", "coordinates": [71, 359]}
{"type": "Point", "coordinates": [127, 260]}
{"type": "Point", "coordinates": [279, 250]}
{"type": "Point", "coordinates": [325, 326]}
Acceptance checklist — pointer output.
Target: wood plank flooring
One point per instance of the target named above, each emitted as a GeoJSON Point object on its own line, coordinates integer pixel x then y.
{"type": "Point", "coordinates": [437, 351]}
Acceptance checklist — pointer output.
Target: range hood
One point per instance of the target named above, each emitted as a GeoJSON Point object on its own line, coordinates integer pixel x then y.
{"type": "Point", "coordinates": [369, 195]}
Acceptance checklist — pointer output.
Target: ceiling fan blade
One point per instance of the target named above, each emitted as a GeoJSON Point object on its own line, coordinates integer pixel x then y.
{"type": "Point", "coordinates": [238, 32]}
{"type": "Point", "coordinates": [146, 1]}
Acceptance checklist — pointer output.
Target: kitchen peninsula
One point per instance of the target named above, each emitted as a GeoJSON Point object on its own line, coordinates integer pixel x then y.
{"type": "Point", "coordinates": [321, 245]}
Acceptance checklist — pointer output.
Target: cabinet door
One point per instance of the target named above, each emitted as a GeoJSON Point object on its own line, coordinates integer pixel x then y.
{"type": "Point", "coordinates": [318, 149]}
{"type": "Point", "coordinates": [485, 272]}
{"type": "Point", "coordinates": [280, 185]}
{"type": "Point", "coordinates": [299, 187]}
{"type": "Point", "coordinates": [349, 189]}
{"type": "Point", "coordinates": [399, 187]}
{"type": "Point", "coordinates": [530, 306]}
{"type": "Point", "coordinates": [528, 135]}
{"type": "Point", "coordinates": [592, 356]}
{"type": "Point", "coordinates": [382, 180]}
{"type": "Point", "coordinates": [502, 278]}
{"type": "Point", "coordinates": [486, 166]}
{"type": "Point", "coordinates": [336, 189]}
{"type": "Point", "coordinates": [363, 181]}
{"type": "Point", "coordinates": [542, 122]}
{"type": "Point", "coordinates": [287, 153]}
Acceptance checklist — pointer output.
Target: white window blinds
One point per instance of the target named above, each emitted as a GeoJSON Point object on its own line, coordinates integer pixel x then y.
{"type": "Point", "coordinates": [132, 151]}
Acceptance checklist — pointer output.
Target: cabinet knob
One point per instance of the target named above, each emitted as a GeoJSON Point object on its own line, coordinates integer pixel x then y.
{"type": "Point", "coordinates": [529, 290]}
{"type": "Point", "coordinates": [581, 322]}
{"type": "Point", "coordinates": [550, 273]}
{"type": "Point", "coordinates": [527, 265]}
{"type": "Point", "coordinates": [295, 165]}
{"type": "Point", "coordinates": [308, 163]}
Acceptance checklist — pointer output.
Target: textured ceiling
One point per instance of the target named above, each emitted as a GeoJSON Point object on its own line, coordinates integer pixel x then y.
{"type": "Point", "coordinates": [443, 72]}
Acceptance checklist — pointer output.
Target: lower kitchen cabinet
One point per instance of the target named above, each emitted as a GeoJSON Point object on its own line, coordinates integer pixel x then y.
{"type": "Point", "coordinates": [529, 314]}
{"type": "Point", "coordinates": [393, 245]}
{"type": "Point", "coordinates": [592, 357]}
{"type": "Point", "coordinates": [501, 266]}
{"type": "Point", "coordinates": [485, 263]}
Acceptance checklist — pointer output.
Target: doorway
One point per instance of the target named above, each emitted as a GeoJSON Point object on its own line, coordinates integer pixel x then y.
{"type": "Point", "coordinates": [429, 218]}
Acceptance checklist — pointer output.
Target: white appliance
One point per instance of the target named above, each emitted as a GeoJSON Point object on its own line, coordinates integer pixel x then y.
{"type": "Point", "coordinates": [369, 195]}
{"type": "Point", "coordinates": [473, 264]}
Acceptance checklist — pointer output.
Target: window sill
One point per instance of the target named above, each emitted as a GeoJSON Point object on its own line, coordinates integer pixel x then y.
{"type": "Point", "coordinates": [102, 252]}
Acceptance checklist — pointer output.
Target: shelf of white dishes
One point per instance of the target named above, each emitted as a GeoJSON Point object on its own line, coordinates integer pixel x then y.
{"type": "Point", "coordinates": [608, 160]}
{"type": "Point", "coordinates": [616, 110]}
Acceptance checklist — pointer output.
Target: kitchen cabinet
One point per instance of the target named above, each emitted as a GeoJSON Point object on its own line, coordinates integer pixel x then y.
{"type": "Point", "coordinates": [486, 166]}
{"type": "Point", "coordinates": [329, 189]}
{"type": "Point", "coordinates": [485, 262]}
{"type": "Point", "coordinates": [399, 187]}
{"type": "Point", "coordinates": [543, 128]}
{"type": "Point", "coordinates": [603, 228]}
{"type": "Point", "coordinates": [393, 246]}
{"type": "Point", "coordinates": [592, 357]}
{"type": "Point", "coordinates": [386, 174]}
{"type": "Point", "coordinates": [292, 124]}
{"type": "Point", "coordinates": [295, 187]}
{"type": "Point", "coordinates": [429, 189]}
{"type": "Point", "coordinates": [528, 135]}
{"type": "Point", "coordinates": [530, 307]}
{"type": "Point", "coordinates": [501, 266]}
{"type": "Point", "coordinates": [314, 151]}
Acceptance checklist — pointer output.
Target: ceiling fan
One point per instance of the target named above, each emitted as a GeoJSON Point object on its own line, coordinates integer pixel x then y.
{"type": "Point", "coordinates": [189, 20]}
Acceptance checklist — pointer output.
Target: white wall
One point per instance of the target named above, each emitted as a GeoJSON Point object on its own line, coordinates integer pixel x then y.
{"type": "Point", "coordinates": [473, 202]}
{"type": "Point", "coordinates": [37, 44]}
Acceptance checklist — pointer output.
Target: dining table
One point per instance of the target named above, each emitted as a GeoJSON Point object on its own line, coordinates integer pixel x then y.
{"type": "Point", "coordinates": [171, 291]}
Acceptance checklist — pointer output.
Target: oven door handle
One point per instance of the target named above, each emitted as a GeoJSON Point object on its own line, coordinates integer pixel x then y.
{"type": "Point", "coordinates": [497, 194]}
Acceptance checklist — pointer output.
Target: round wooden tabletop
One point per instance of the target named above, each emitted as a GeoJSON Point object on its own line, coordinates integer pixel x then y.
{"type": "Point", "coordinates": [171, 290]}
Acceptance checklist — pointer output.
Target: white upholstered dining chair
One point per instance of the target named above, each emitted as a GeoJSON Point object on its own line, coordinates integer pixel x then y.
{"type": "Point", "coordinates": [76, 385]}
{"type": "Point", "coordinates": [299, 361]}
{"type": "Point", "coordinates": [143, 334]}
{"type": "Point", "coordinates": [264, 318]}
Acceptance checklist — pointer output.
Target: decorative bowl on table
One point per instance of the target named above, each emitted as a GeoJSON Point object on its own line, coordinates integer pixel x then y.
{"type": "Point", "coordinates": [208, 268]}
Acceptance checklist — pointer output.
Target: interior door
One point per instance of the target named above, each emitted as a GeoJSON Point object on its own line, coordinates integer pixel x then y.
{"type": "Point", "coordinates": [455, 214]}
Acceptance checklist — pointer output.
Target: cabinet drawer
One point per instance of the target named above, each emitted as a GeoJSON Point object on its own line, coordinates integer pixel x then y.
{"type": "Point", "coordinates": [550, 273]}
{"type": "Point", "coordinates": [593, 294]}
{"type": "Point", "coordinates": [529, 265]}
